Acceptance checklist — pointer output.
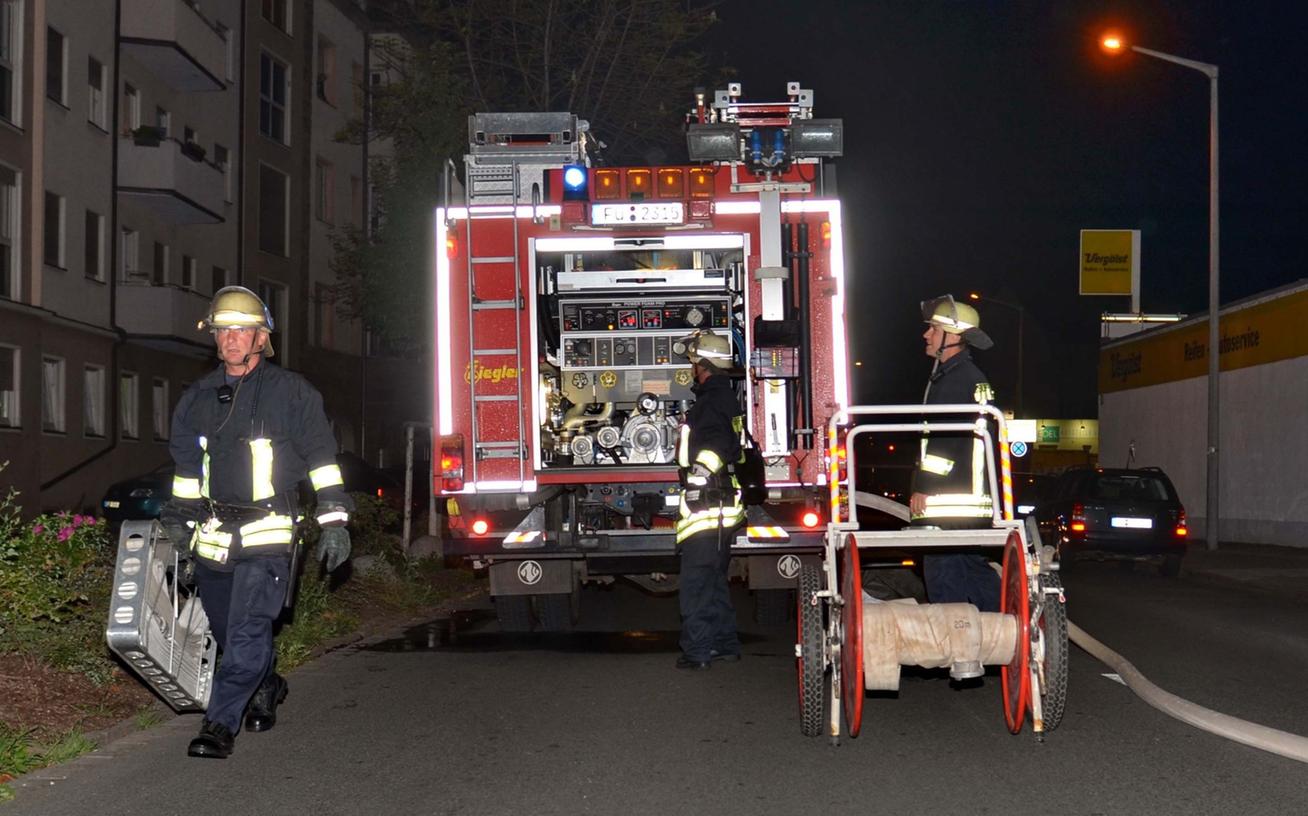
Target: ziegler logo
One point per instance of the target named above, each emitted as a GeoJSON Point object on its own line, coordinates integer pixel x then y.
{"type": "Point", "coordinates": [487, 374]}
{"type": "Point", "coordinates": [788, 566]}
{"type": "Point", "coordinates": [529, 573]}
{"type": "Point", "coordinates": [1105, 260]}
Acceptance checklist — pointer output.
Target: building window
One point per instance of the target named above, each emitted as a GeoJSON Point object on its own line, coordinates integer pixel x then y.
{"type": "Point", "coordinates": [324, 324]}
{"type": "Point", "coordinates": [95, 107]}
{"type": "Point", "coordinates": [160, 268]}
{"type": "Point", "coordinates": [94, 246]}
{"type": "Point", "coordinates": [273, 93]}
{"type": "Point", "coordinates": [219, 278]}
{"type": "Point", "coordinates": [54, 230]}
{"type": "Point", "coordinates": [129, 405]}
{"type": "Point", "coordinates": [229, 52]}
{"type": "Point", "coordinates": [54, 67]}
{"type": "Point", "coordinates": [9, 210]}
{"type": "Point", "coordinates": [224, 162]}
{"type": "Point", "coordinates": [278, 12]}
{"type": "Point", "coordinates": [325, 184]}
{"type": "Point", "coordinates": [131, 108]}
{"type": "Point", "coordinates": [93, 400]}
{"type": "Point", "coordinates": [274, 296]}
{"type": "Point", "coordinates": [274, 214]}
{"type": "Point", "coordinates": [163, 120]}
{"type": "Point", "coordinates": [130, 241]}
{"type": "Point", "coordinates": [159, 407]}
{"type": "Point", "coordinates": [11, 61]}
{"type": "Point", "coordinates": [188, 272]}
{"type": "Point", "coordinates": [9, 370]}
{"type": "Point", "coordinates": [326, 71]}
{"type": "Point", "coordinates": [52, 394]}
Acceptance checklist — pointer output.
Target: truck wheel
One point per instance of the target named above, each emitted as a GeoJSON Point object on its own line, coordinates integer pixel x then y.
{"type": "Point", "coordinates": [513, 612]}
{"type": "Point", "coordinates": [1053, 631]}
{"type": "Point", "coordinates": [554, 611]}
{"type": "Point", "coordinates": [772, 606]}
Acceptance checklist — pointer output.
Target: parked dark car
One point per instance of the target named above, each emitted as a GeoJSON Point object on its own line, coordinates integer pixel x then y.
{"type": "Point", "coordinates": [1028, 491]}
{"type": "Point", "coordinates": [1117, 514]}
{"type": "Point", "coordinates": [138, 498]}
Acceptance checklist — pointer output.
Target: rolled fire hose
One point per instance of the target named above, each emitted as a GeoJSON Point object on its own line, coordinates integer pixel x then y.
{"type": "Point", "coordinates": [1262, 737]}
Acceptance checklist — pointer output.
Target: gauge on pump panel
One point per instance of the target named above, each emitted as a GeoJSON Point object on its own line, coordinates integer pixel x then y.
{"type": "Point", "coordinates": [694, 317]}
{"type": "Point", "coordinates": [647, 403]}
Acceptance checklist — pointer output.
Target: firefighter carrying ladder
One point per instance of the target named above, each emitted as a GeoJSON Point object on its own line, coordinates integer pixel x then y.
{"type": "Point", "coordinates": [506, 165]}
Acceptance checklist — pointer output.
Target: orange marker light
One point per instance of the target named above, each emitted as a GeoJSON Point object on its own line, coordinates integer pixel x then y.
{"type": "Point", "coordinates": [451, 246]}
{"type": "Point", "coordinates": [480, 526]}
{"type": "Point", "coordinates": [638, 183]}
{"type": "Point", "coordinates": [608, 184]}
{"type": "Point", "coordinates": [670, 183]}
{"type": "Point", "coordinates": [701, 184]}
{"type": "Point", "coordinates": [1078, 527]}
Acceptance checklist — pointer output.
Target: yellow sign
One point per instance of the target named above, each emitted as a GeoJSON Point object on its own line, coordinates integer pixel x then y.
{"type": "Point", "coordinates": [1110, 262]}
{"type": "Point", "coordinates": [1256, 334]}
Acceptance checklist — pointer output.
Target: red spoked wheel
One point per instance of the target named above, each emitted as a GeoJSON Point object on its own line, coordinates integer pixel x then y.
{"type": "Point", "coordinates": [1015, 600]}
{"type": "Point", "coordinates": [851, 652]}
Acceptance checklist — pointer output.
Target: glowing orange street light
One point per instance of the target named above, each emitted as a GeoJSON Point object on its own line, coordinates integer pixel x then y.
{"type": "Point", "coordinates": [1112, 43]}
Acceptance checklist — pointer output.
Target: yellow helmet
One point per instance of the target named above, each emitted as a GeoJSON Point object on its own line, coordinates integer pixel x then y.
{"type": "Point", "coordinates": [707, 349]}
{"type": "Point", "coordinates": [956, 318]}
{"type": "Point", "coordinates": [236, 307]}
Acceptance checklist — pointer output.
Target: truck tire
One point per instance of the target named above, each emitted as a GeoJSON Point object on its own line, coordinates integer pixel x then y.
{"type": "Point", "coordinates": [513, 612]}
{"type": "Point", "coordinates": [811, 663]}
{"type": "Point", "coordinates": [773, 607]}
{"type": "Point", "coordinates": [554, 611]}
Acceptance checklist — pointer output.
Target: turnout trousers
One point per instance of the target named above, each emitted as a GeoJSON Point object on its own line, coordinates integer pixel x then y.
{"type": "Point", "coordinates": [242, 606]}
{"type": "Point", "coordinates": [708, 621]}
{"type": "Point", "coordinates": [961, 578]}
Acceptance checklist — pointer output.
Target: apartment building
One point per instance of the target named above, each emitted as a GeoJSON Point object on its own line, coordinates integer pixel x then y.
{"type": "Point", "coordinates": [151, 152]}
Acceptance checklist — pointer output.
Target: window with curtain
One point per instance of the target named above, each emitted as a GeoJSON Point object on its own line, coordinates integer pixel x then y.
{"type": "Point", "coordinates": [9, 357]}
{"type": "Point", "coordinates": [93, 413]}
{"type": "Point", "coordinates": [52, 395]}
{"type": "Point", "coordinates": [159, 405]}
{"type": "Point", "coordinates": [129, 404]}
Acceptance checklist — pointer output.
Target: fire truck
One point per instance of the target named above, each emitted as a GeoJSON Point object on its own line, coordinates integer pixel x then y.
{"type": "Point", "coordinates": [564, 292]}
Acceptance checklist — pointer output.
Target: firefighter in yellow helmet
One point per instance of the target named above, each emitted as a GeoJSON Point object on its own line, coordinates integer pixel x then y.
{"type": "Point", "coordinates": [710, 509]}
{"type": "Point", "coordinates": [950, 488]}
{"type": "Point", "coordinates": [243, 437]}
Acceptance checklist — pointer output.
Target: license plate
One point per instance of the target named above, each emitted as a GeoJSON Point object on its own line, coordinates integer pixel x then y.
{"type": "Point", "coordinates": [671, 212]}
{"type": "Point", "coordinates": [112, 505]}
{"type": "Point", "coordinates": [1133, 523]}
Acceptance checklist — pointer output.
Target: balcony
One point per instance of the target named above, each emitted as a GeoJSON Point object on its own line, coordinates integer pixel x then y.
{"type": "Point", "coordinates": [179, 188]}
{"type": "Point", "coordinates": [165, 316]}
{"type": "Point", "coordinates": [179, 46]}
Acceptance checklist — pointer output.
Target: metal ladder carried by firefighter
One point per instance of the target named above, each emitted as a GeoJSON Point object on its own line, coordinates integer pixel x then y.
{"type": "Point", "coordinates": [505, 166]}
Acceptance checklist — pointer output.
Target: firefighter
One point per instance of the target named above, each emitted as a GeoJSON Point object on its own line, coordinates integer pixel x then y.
{"type": "Point", "coordinates": [949, 486]}
{"type": "Point", "coordinates": [243, 437]}
{"type": "Point", "coordinates": [710, 509]}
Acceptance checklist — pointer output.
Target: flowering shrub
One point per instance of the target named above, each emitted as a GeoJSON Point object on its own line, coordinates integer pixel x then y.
{"type": "Point", "coordinates": [55, 576]}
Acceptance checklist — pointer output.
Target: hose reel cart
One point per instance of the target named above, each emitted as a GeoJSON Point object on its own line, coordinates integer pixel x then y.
{"type": "Point", "coordinates": [847, 647]}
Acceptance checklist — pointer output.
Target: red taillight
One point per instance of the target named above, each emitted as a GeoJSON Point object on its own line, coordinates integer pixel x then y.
{"type": "Point", "coordinates": [1077, 524]}
{"type": "Point", "coordinates": [451, 463]}
{"type": "Point", "coordinates": [810, 518]}
{"type": "Point", "coordinates": [379, 492]}
{"type": "Point", "coordinates": [480, 526]}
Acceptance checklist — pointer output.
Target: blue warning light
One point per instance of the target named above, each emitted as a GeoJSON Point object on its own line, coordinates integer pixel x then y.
{"type": "Point", "coordinates": [574, 178]}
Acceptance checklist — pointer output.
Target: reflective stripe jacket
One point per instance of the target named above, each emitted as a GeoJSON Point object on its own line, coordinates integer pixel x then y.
{"type": "Point", "coordinates": [710, 442]}
{"type": "Point", "coordinates": [252, 452]}
{"type": "Point", "coordinates": [951, 470]}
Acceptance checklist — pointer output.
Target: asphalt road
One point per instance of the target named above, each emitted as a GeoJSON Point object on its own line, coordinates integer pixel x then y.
{"type": "Point", "coordinates": [600, 722]}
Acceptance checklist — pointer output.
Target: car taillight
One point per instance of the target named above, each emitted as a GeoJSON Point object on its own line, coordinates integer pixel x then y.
{"type": "Point", "coordinates": [451, 463]}
{"type": "Point", "coordinates": [1181, 529]}
{"type": "Point", "coordinates": [1077, 524]}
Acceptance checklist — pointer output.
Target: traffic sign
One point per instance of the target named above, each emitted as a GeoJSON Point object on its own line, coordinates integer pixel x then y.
{"type": "Point", "coordinates": [1018, 449]}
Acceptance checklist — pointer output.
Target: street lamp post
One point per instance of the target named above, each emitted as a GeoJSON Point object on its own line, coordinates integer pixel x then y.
{"type": "Point", "coordinates": [1114, 44]}
{"type": "Point", "coordinates": [1021, 332]}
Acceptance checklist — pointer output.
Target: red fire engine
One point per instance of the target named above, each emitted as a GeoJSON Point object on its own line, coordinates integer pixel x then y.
{"type": "Point", "coordinates": [561, 292]}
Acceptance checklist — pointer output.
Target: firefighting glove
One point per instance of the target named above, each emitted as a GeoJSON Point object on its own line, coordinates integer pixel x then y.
{"type": "Point", "coordinates": [178, 519]}
{"type": "Point", "coordinates": [333, 547]}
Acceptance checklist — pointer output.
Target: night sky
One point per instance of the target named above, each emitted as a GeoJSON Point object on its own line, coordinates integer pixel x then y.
{"type": "Point", "coordinates": [980, 137]}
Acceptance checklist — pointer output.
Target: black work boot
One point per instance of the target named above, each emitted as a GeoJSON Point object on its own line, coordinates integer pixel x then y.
{"type": "Point", "coordinates": [215, 741]}
{"type": "Point", "coordinates": [262, 714]}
